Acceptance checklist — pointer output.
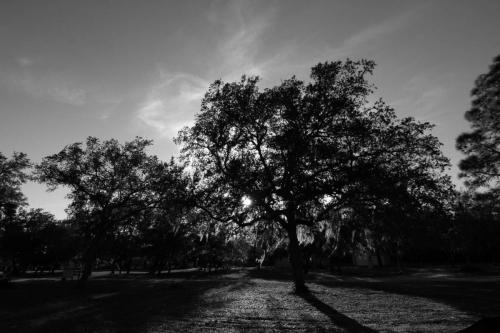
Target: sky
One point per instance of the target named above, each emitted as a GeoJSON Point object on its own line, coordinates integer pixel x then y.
{"type": "Point", "coordinates": [120, 69]}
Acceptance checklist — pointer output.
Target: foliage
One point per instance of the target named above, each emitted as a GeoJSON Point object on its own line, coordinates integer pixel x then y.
{"type": "Point", "coordinates": [12, 176]}
{"type": "Point", "coordinates": [299, 151]}
{"type": "Point", "coordinates": [481, 167]}
{"type": "Point", "coordinates": [34, 239]}
{"type": "Point", "coordinates": [475, 229]}
{"type": "Point", "coordinates": [109, 182]}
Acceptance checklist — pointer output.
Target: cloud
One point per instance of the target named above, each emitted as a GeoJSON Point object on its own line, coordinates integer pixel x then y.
{"type": "Point", "coordinates": [425, 98]}
{"type": "Point", "coordinates": [24, 62]}
{"type": "Point", "coordinates": [107, 106]}
{"type": "Point", "coordinates": [239, 49]}
{"type": "Point", "coordinates": [368, 36]}
{"type": "Point", "coordinates": [241, 29]}
{"type": "Point", "coordinates": [172, 103]}
{"type": "Point", "coordinates": [175, 98]}
{"type": "Point", "coordinates": [50, 86]}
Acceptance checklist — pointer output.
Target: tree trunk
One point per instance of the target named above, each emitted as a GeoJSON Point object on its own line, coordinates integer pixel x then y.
{"type": "Point", "coordinates": [86, 271]}
{"type": "Point", "coordinates": [379, 258]}
{"type": "Point", "coordinates": [88, 263]}
{"type": "Point", "coordinates": [261, 260]}
{"type": "Point", "coordinates": [154, 266]}
{"type": "Point", "coordinates": [161, 266]}
{"type": "Point", "coordinates": [296, 260]}
{"type": "Point", "coordinates": [398, 258]}
{"type": "Point", "coordinates": [129, 265]}
{"type": "Point", "coordinates": [15, 268]}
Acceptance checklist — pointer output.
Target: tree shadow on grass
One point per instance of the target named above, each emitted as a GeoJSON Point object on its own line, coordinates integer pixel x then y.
{"type": "Point", "coordinates": [337, 318]}
{"type": "Point", "coordinates": [481, 298]}
{"type": "Point", "coordinates": [472, 295]}
{"type": "Point", "coordinates": [106, 305]}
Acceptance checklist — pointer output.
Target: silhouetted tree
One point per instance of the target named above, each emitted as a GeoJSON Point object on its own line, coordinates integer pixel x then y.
{"type": "Point", "coordinates": [476, 227]}
{"type": "Point", "coordinates": [293, 153]}
{"type": "Point", "coordinates": [13, 173]}
{"type": "Point", "coordinates": [481, 167]}
{"type": "Point", "coordinates": [35, 239]}
{"type": "Point", "coordinates": [109, 182]}
{"type": "Point", "coordinates": [12, 176]}
{"type": "Point", "coordinates": [170, 222]}
{"type": "Point", "coordinates": [166, 233]}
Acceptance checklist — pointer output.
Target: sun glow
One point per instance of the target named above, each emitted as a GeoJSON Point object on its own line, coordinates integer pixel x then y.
{"type": "Point", "coordinates": [246, 201]}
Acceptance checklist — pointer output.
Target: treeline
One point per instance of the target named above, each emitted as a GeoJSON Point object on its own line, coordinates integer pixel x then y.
{"type": "Point", "coordinates": [312, 171]}
{"type": "Point", "coordinates": [34, 240]}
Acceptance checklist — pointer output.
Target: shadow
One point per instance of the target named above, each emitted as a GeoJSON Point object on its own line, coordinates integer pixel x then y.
{"type": "Point", "coordinates": [483, 326]}
{"type": "Point", "coordinates": [267, 273]}
{"type": "Point", "coordinates": [476, 297]}
{"type": "Point", "coordinates": [106, 304]}
{"type": "Point", "coordinates": [342, 321]}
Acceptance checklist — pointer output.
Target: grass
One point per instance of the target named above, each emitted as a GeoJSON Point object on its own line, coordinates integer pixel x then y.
{"type": "Point", "coordinates": [246, 300]}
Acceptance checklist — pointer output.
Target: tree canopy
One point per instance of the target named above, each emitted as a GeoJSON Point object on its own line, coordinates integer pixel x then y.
{"type": "Point", "coordinates": [109, 183]}
{"type": "Point", "coordinates": [12, 175]}
{"type": "Point", "coordinates": [481, 166]}
{"type": "Point", "coordinates": [294, 153]}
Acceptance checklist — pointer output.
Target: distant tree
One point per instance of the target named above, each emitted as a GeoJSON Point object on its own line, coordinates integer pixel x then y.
{"type": "Point", "coordinates": [481, 167]}
{"type": "Point", "coordinates": [166, 233]}
{"type": "Point", "coordinates": [476, 226]}
{"type": "Point", "coordinates": [294, 153]}
{"type": "Point", "coordinates": [33, 244]}
{"type": "Point", "coordinates": [35, 239]}
{"type": "Point", "coordinates": [266, 239]}
{"type": "Point", "coordinates": [171, 220]}
{"type": "Point", "coordinates": [12, 175]}
{"type": "Point", "coordinates": [124, 244]}
{"type": "Point", "coordinates": [109, 182]}
{"type": "Point", "coordinates": [215, 244]}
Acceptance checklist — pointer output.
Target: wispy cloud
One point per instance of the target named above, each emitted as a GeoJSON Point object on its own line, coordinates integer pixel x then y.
{"type": "Point", "coordinates": [24, 62]}
{"type": "Point", "coordinates": [49, 86]}
{"type": "Point", "coordinates": [240, 44]}
{"type": "Point", "coordinates": [172, 103]}
{"type": "Point", "coordinates": [370, 36]}
{"type": "Point", "coordinates": [424, 97]}
{"type": "Point", "coordinates": [175, 98]}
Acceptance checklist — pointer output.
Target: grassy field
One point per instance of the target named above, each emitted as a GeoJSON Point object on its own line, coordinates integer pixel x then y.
{"type": "Point", "coordinates": [424, 300]}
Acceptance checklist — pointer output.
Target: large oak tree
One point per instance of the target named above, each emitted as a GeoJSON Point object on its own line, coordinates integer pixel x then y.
{"type": "Point", "coordinates": [294, 153]}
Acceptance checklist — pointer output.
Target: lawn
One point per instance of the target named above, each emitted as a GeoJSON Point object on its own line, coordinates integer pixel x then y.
{"type": "Point", "coordinates": [244, 300]}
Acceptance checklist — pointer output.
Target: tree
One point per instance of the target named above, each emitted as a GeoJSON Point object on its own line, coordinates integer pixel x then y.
{"type": "Point", "coordinates": [294, 153]}
{"type": "Point", "coordinates": [476, 226]}
{"type": "Point", "coordinates": [35, 239]}
{"type": "Point", "coordinates": [481, 167]}
{"type": "Point", "coordinates": [165, 235]}
{"type": "Point", "coordinates": [266, 239]}
{"type": "Point", "coordinates": [109, 182]}
{"type": "Point", "coordinates": [12, 176]}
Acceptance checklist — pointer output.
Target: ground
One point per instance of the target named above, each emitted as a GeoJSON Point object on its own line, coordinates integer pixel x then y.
{"type": "Point", "coordinates": [427, 300]}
